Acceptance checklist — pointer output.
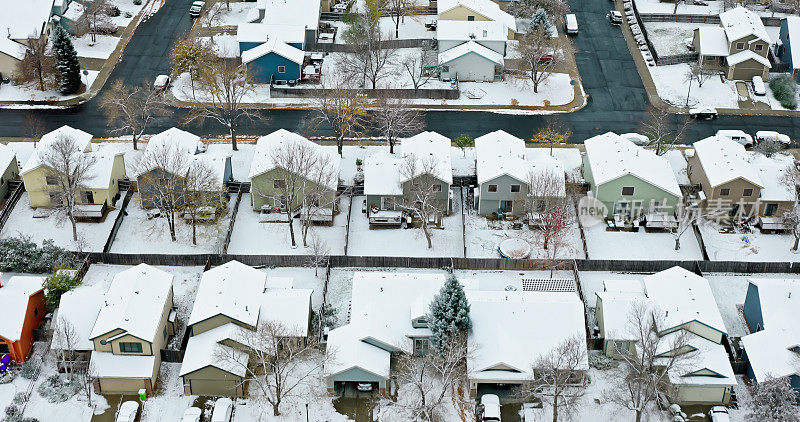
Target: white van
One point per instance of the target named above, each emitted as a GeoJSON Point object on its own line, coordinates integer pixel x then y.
{"type": "Point", "coordinates": [771, 135]}
{"type": "Point", "coordinates": [571, 24]}
{"type": "Point", "coordinates": [737, 136]}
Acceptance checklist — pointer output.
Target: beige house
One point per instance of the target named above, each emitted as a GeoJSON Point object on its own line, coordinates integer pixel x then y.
{"type": "Point", "coordinates": [133, 325]}
{"type": "Point", "coordinates": [232, 301]}
{"type": "Point", "coordinates": [738, 47]}
{"type": "Point", "coordinates": [99, 190]}
{"type": "Point", "coordinates": [476, 10]}
{"type": "Point", "coordinates": [19, 24]}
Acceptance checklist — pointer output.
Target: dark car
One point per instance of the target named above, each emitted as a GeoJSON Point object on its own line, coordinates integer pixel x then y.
{"type": "Point", "coordinates": [703, 113]}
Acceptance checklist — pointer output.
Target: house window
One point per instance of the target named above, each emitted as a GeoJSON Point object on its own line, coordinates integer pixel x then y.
{"type": "Point", "coordinates": [55, 198]}
{"type": "Point", "coordinates": [759, 47]}
{"type": "Point", "coordinates": [770, 210]}
{"type": "Point", "coordinates": [437, 187]}
{"type": "Point", "coordinates": [420, 346]}
{"type": "Point", "coordinates": [506, 206]}
{"type": "Point", "coordinates": [51, 180]}
{"type": "Point", "coordinates": [281, 69]}
{"type": "Point", "coordinates": [627, 191]}
{"type": "Point", "coordinates": [278, 184]}
{"type": "Point", "coordinates": [470, 18]}
{"type": "Point", "coordinates": [514, 188]}
{"type": "Point", "coordinates": [724, 192]}
{"type": "Point", "coordinates": [87, 196]}
{"type": "Point", "coordinates": [740, 46]}
{"type": "Point", "coordinates": [126, 347]}
{"type": "Point", "coordinates": [492, 188]}
{"type": "Point", "coordinates": [747, 192]}
{"type": "Point", "coordinates": [3, 348]}
{"type": "Point", "coordinates": [485, 33]}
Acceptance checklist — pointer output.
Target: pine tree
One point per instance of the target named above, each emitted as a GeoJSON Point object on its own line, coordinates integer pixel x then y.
{"type": "Point", "coordinates": [449, 313]}
{"type": "Point", "coordinates": [540, 20]}
{"type": "Point", "coordinates": [68, 65]}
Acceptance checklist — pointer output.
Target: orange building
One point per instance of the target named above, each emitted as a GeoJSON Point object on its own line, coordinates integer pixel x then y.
{"type": "Point", "coordinates": [22, 309]}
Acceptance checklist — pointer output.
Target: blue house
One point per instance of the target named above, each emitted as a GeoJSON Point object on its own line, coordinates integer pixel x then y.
{"type": "Point", "coordinates": [790, 31]}
{"type": "Point", "coordinates": [272, 52]}
{"type": "Point", "coordinates": [772, 310]}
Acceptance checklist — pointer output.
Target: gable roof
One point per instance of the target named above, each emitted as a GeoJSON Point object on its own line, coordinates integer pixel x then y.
{"type": "Point", "coordinates": [616, 310]}
{"type": "Point", "coordinates": [382, 174]}
{"type": "Point", "coordinates": [291, 308]}
{"type": "Point", "coordinates": [498, 153]}
{"type": "Point", "coordinates": [276, 46]}
{"type": "Point", "coordinates": [740, 22]}
{"type": "Point", "coordinates": [173, 137]}
{"type": "Point", "coordinates": [14, 297]}
{"type": "Point", "coordinates": [347, 351]}
{"type": "Point", "coordinates": [268, 145]}
{"type": "Point", "coordinates": [683, 297]}
{"type": "Point", "coordinates": [78, 308]}
{"type": "Point", "coordinates": [203, 351]}
{"type": "Point", "coordinates": [18, 22]}
{"type": "Point", "coordinates": [12, 48]}
{"type": "Point", "coordinates": [262, 32]}
{"type": "Point", "coordinates": [724, 160]}
{"type": "Point", "coordinates": [486, 8]}
{"type": "Point", "coordinates": [430, 145]}
{"type": "Point", "coordinates": [471, 30]}
{"type": "Point", "coordinates": [612, 156]}
{"type": "Point", "coordinates": [232, 289]}
{"type": "Point", "coordinates": [713, 41]}
{"type": "Point", "coordinates": [7, 157]}
{"type": "Point", "coordinates": [134, 303]}
{"type": "Point", "coordinates": [745, 55]}
{"type": "Point", "coordinates": [298, 12]}
{"type": "Point", "coordinates": [771, 171]}
{"type": "Point", "coordinates": [83, 142]}
{"type": "Point", "coordinates": [467, 48]}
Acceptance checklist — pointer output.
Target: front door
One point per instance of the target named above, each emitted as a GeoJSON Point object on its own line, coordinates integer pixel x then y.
{"type": "Point", "coordinates": [506, 206]}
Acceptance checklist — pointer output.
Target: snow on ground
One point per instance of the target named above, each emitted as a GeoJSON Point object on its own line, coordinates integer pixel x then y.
{"type": "Point", "coordinates": [729, 291]}
{"type": "Point", "coordinates": [138, 234]}
{"type": "Point", "coordinates": [91, 236]}
{"type": "Point", "coordinates": [168, 403]}
{"type": "Point", "coordinates": [237, 13]}
{"type": "Point", "coordinates": [181, 88]}
{"type": "Point", "coordinates": [657, 6]}
{"type": "Point", "coordinates": [672, 86]}
{"type": "Point", "coordinates": [463, 161]}
{"type": "Point", "coordinates": [602, 244]}
{"type": "Point", "coordinates": [127, 7]}
{"type": "Point", "coordinates": [484, 236]}
{"type": "Point", "coordinates": [30, 92]}
{"type": "Point", "coordinates": [411, 27]}
{"type": "Point", "coordinates": [750, 247]}
{"type": "Point", "coordinates": [253, 237]}
{"type": "Point", "coordinates": [570, 157]}
{"type": "Point", "coordinates": [670, 37]}
{"type": "Point", "coordinates": [678, 163]}
{"type": "Point", "coordinates": [103, 46]}
{"type": "Point", "coordinates": [392, 241]}
{"type": "Point", "coordinates": [223, 45]}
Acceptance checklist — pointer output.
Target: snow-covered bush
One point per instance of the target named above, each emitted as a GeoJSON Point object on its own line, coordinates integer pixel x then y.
{"type": "Point", "coordinates": [13, 413]}
{"type": "Point", "coordinates": [7, 376]}
{"type": "Point", "coordinates": [784, 88]}
{"type": "Point", "coordinates": [19, 398]}
{"type": "Point", "coordinates": [20, 254]}
{"type": "Point", "coordinates": [114, 11]}
{"type": "Point", "coordinates": [58, 389]}
{"type": "Point", "coordinates": [601, 361]}
{"type": "Point", "coordinates": [29, 369]}
{"type": "Point", "coordinates": [137, 2]}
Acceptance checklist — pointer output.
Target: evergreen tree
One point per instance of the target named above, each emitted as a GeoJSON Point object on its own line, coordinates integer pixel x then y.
{"type": "Point", "coordinates": [540, 20]}
{"type": "Point", "coordinates": [449, 313]}
{"type": "Point", "coordinates": [68, 65]}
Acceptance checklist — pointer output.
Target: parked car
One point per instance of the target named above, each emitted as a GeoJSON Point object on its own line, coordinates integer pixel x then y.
{"type": "Point", "coordinates": [771, 135]}
{"type": "Point", "coordinates": [703, 113]}
{"type": "Point", "coordinates": [571, 24]}
{"type": "Point", "coordinates": [197, 6]}
{"type": "Point", "coordinates": [128, 411]}
{"type": "Point", "coordinates": [364, 386]}
{"type": "Point", "coordinates": [192, 414]}
{"type": "Point", "coordinates": [161, 83]}
{"type": "Point", "coordinates": [636, 138]}
{"type": "Point", "coordinates": [614, 17]}
{"type": "Point", "coordinates": [719, 414]}
{"type": "Point", "coordinates": [758, 86]}
{"type": "Point", "coordinates": [223, 410]}
{"type": "Point", "coordinates": [737, 136]}
{"type": "Point", "coordinates": [489, 408]}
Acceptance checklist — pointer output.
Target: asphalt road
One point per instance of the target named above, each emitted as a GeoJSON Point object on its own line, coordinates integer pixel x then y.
{"type": "Point", "coordinates": [617, 99]}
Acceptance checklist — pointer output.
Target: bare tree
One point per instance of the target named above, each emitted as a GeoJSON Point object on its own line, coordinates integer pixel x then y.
{"type": "Point", "coordinates": [96, 19]}
{"type": "Point", "coordinates": [66, 337]}
{"type": "Point", "coordinates": [686, 217]}
{"type": "Point", "coordinates": [421, 68]}
{"type": "Point", "coordinates": [644, 374]}
{"type": "Point", "coordinates": [319, 253]}
{"type": "Point", "coordinates": [69, 169]}
{"type": "Point", "coordinates": [396, 117]}
{"type": "Point", "coordinates": [423, 190]}
{"type": "Point", "coordinates": [558, 377]}
{"type": "Point", "coordinates": [774, 399]}
{"type": "Point", "coordinates": [278, 362]}
{"type": "Point", "coordinates": [699, 73]}
{"type": "Point", "coordinates": [33, 126]}
{"type": "Point", "coordinates": [225, 86]}
{"type": "Point", "coordinates": [38, 64]}
{"type": "Point", "coordinates": [203, 192]}
{"type": "Point", "coordinates": [661, 130]}
{"type": "Point", "coordinates": [791, 180]}
{"type": "Point", "coordinates": [546, 189]}
{"type": "Point", "coordinates": [371, 54]}
{"type": "Point", "coordinates": [526, 8]}
{"type": "Point", "coordinates": [162, 181]}
{"type": "Point", "coordinates": [542, 55]}
{"type": "Point", "coordinates": [317, 194]}
{"type": "Point", "coordinates": [398, 11]}
{"type": "Point", "coordinates": [342, 108]}
{"type": "Point", "coordinates": [130, 109]}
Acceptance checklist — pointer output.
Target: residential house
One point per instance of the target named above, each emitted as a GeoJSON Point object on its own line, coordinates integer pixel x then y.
{"type": "Point", "coordinates": [681, 304]}
{"type": "Point", "coordinates": [272, 52]}
{"type": "Point", "coordinates": [471, 61]}
{"type": "Point", "coordinates": [232, 300]}
{"type": "Point", "coordinates": [476, 10]}
{"type": "Point", "coordinates": [627, 179]}
{"type": "Point", "coordinates": [776, 199]}
{"type": "Point", "coordinates": [73, 323]}
{"type": "Point", "coordinates": [9, 169]}
{"type": "Point", "coordinates": [133, 325]}
{"type": "Point", "coordinates": [304, 13]}
{"type": "Point", "coordinates": [391, 179]}
{"type": "Point", "coordinates": [490, 34]}
{"type": "Point", "coordinates": [101, 187]}
{"type": "Point", "coordinates": [738, 47]}
{"type": "Point", "coordinates": [790, 30]}
{"type": "Point", "coordinates": [771, 311]}
{"type": "Point", "coordinates": [267, 179]}
{"type": "Point", "coordinates": [22, 312]}
{"type": "Point", "coordinates": [505, 173]}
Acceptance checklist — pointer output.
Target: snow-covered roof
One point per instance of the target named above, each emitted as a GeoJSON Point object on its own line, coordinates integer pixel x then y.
{"type": "Point", "coordinates": [707, 365]}
{"type": "Point", "coordinates": [178, 139]}
{"type": "Point", "coordinates": [778, 300]}
{"type": "Point", "coordinates": [274, 46]}
{"type": "Point", "coordinates": [233, 290]}
{"type": "Point", "coordinates": [616, 310]}
{"type": "Point", "coordinates": [471, 30]}
{"type": "Point", "coordinates": [498, 153]}
{"type": "Point", "coordinates": [771, 172]}
{"type": "Point", "coordinates": [508, 329]}
{"type": "Point", "coordinates": [291, 308]}
{"type": "Point", "coordinates": [203, 350]}
{"type": "Point", "coordinates": [724, 160]}
{"type": "Point", "coordinates": [7, 156]}
{"type": "Point", "coordinates": [382, 174]}
{"type": "Point", "coordinates": [12, 48]}
{"type": "Point", "coordinates": [740, 22]}
{"type": "Point", "coordinates": [20, 21]}
{"type": "Point", "coordinates": [623, 286]}
{"type": "Point", "coordinates": [268, 145]}
{"type": "Point", "coordinates": [74, 11]}
{"type": "Point", "coordinates": [430, 146]}
{"type": "Point", "coordinates": [215, 161]}
{"type": "Point", "coordinates": [275, 282]}
{"type": "Point", "coordinates": [713, 41]}
{"type": "Point", "coordinates": [793, 33]}
{"type": "Point", "coordinates": [745, 55]}
{"type": "Point", "coordinates": [14, 297]}
{"type": "Point", "coordinates": [612, 156]}
{"type": "Point", "coordinates": [135, 303]}
{"type": "Point", "coordinates": [486, 8]}
{"type": "Point", "coordinates": [109, 365]}
{"type": "Point", "coordinates": [678, 163]}
{"type": "Point", "coordinates": [346, 351]}
{"type": "Point", "coordinates": [304, 13]}
{"type": "Point", "coordinates": [79, 309]}
{"type": "Point", "coordinates": [470, 47]}
{"type": "Point", "coordinates": [83, 142]}
{"type": "Point", "coordinates": [261, 32]}
{"type": "Point", "coordinates": [540, 162]}
{"type": "Point", "coordinates": [683, 296]}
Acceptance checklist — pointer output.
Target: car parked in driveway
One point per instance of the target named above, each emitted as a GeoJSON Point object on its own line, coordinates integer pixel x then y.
{"type": "Point", "coordinates": [192, 414]}
{"type": "Point", "coordinates": [614, 17]}
{"type": "Point", "coordinates": [196, 8]}
{"type": "Point", "coordinates": [758, 86]}
{"type": "Point", "coordinates": [128, 411]}
{"type": "Point", "coordinates": [719, 414]}
{"type": "Point", "coordinates": [489, 408]}
{"type": "Point", "coordinates": [707, 113]}
{"type": "Point", "coordinates": [771, 135]}
{"type": "Point", "coordinates": [223, 410]}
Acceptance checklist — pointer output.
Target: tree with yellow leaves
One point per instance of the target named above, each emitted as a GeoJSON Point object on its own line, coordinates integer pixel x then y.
{"type": "Point", "coordinates": [552, 134]}
{"type": "Point", "coordinates": [342, 108]}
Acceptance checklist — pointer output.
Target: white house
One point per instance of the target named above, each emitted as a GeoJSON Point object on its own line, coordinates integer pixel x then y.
{"type": "Point", "coordinates": [475, 11]}
{"type": "Point", "coordinates": [74, 319]}
{"type": "Point", "coordinates": [471, 61]}
{"type": "Point", "coordinates": [490, 34]}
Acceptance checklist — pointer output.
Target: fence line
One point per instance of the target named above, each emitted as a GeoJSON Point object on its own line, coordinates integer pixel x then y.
{"type": "Point", "coordinates": [463, 220]}
{"type": "Point", "coordinates": [347, 226]}
{"type": "Point", "coordinates": [430, 94]}
{"type": "Point", "coordinates": [351, 48]}
{"type": "Point", "coordinates": [12, 201]}
{"type": "Point", "coordinates": [118, 221]}
{"type": "Point", "coordinates": [233, 220]}
{"type": "Point", "coordinates": [697, 18]}
{"type": "Point", "coordinates": [676, 59]}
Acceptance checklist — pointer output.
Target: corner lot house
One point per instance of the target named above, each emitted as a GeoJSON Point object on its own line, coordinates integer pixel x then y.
{"type": "Point", "coordinates": [771, 311]}
{"type": "Point", "coordinates": [681, 303]}
{"type": "Point", "coordinates": [233, 300]}
{"type": "Point", "coordinates": [628, 179]}
{"type": "Point", "coordinates": [22, 311]}
{"type": "Point", "coordinates": [738, 48]}
{"type": "Point", "coordinates": [101, 188]}
{"type": "Point", "coordinates": [133, 325]}
{"type": "Point", "coordinates": [471, 61]}
{"type": "Point", "coordinates": [476, 10]}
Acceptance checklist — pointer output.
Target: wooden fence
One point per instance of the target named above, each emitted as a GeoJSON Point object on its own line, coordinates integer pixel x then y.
{"type": "Point", "coordinates": [431, 94]}
{"type": "Point", "coordinates": [388, 44]}
{"type": "Point", "coordinates": [696, 18]}
{"type": "Point", "coordinates": [675, 59]}
{"type": "Point", "coordinates": [174, 356]}
{"type": "Point", "coordinates": [233, 220]}
{"type": "Point", "coordinates": [9, 207]}
{"type": "Point", "coordinates": [118, 222]}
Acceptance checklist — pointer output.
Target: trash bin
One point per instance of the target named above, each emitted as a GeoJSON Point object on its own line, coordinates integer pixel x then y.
{"type": "Point", "coordinates": [142, 394]}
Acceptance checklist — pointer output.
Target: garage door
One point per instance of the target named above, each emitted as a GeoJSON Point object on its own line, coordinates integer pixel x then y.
{"type": "Point", "coordinates": [701, 394]}
{"type": "Point", "coordinates": [205, 387]}
{"type": "Point", "coordinates": [117, 385]}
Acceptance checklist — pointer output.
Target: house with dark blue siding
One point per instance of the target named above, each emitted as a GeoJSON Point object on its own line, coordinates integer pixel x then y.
{"type": "Point", "coordinates": [274, 62]}
{"type": "Point", "coordinates": [790, 31]}
{"type": "Point", "coordinates": [772, 311]}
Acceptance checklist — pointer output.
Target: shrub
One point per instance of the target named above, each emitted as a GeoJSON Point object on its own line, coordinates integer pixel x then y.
{"type": "Point", "coordinates": [20, 254]}
{"type": "Point", "coordinates": [114, 11]}
{"type": "Point", "coordinates": [28, 370]}
{"type": "Point", "coordinates": [128, 14]}
{"type": "Point", "coordinates": [784, 89]}
{"type": "Point", "coordinates": [56, 285]}
{"type": "Point", "coordinates": [13, 413]}
{"type": "Point", "coordinates": [19, 398]}
{"type": "Point", "coordinates": [7, 376]}
{"type": "Point", "coordinates": [58, 389]}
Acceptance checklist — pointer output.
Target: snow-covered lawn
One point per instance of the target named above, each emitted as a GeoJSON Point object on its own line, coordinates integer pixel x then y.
{"type": "Point", "coordinates": [672, 86]}
{"type": "Point", "coordinates": [484, 236]}
{"type": "Point", "coordinates": [127, 7]}
{"type": "Point", "coordinates": [138, 234]}
{"type": "Point", "coordinates": [30, 92]}
{"type": "Point", "coordinates": [103, 46]}
{"type": "Point", "coordinates": [670, 37]}
{"type": "Point", "coordinates": [91, 236]}
{"type": "Point", "coordinates": [750, 247]}
{"type": "Point", "coordinates": [237, 13]}
{"type": "Point", "coordinates": [656, 6]}
{"type": "Point", "coordinates": [253, 237]}
{"type": "Point", "coordinates": [602, 244]}
{"type": "Point", "coordinates": [404, 242]}
{"type": "Point", "coordinates": [411, 27]}
{"type": "Point", "coordinates": [168, 402]}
